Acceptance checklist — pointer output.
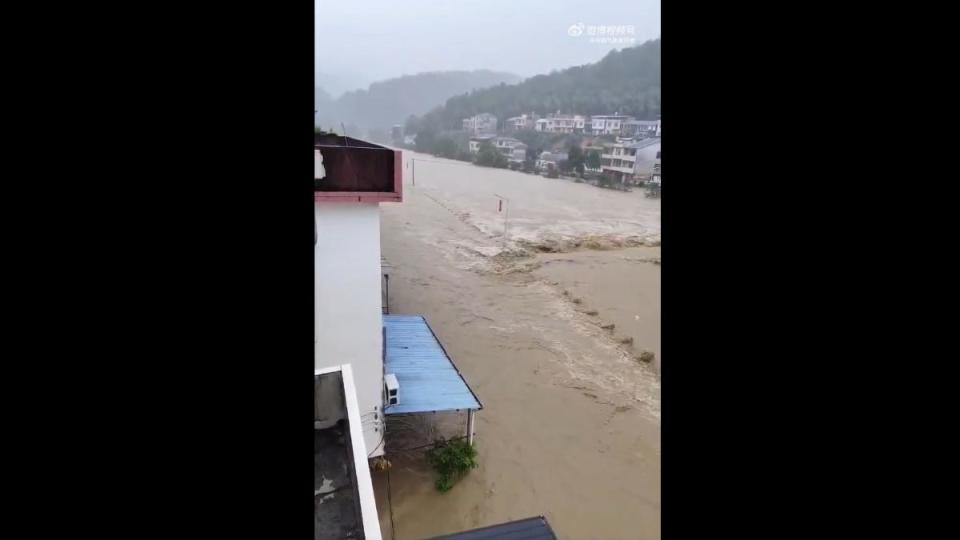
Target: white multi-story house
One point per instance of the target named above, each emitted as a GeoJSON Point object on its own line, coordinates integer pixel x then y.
{"type": "Point", "coordinates": [514, 150]}
{"type": "Point", "coordinates": [625, 162]}
{"type": "Point", "coordinates": [354, 177]}
{"type": "Point", "coordinates": [562, 123]}
{"type": "Point", "coordinates": [640, 129]}
{"type": "Point", "coordinates": [481, 123]}
{"type": "Point", "coordinates": [522, 122]}
{"type": "Point", "coordinates": [608, 124]}
{"type": "Point", "coordinates": [547, 158]}
{"type": "Point", "coordinates": [351, 179]}
{"type": "Point", "coordinates": [477, 140]}
{"type": "Point", "coordinates": [655, 176]}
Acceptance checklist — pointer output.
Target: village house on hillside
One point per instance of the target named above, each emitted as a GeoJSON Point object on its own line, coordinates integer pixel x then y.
{"type": "Point", "coordinates": [611, 124]}
{"type": "Point", "coordinates": [618, 125]}
{"type": "Point", "coordinates": [627, 163]}
{"type": "Point", "coordinates": [547, 159]}
{"type": "Point", "coordinates": [655, 177]}
{"type": "Point", "coordinates": [477, 140]}
{"type": "Point", "coordinates": [640, 129]}
{"type": "Point", "coordinates": [514, 150]}
{"type": "Point", "coordinates": [522, 122]}
{"type": "Point", "coordinates": [481, 123]}
{"type": "Point", "coordinates": [562, 123]}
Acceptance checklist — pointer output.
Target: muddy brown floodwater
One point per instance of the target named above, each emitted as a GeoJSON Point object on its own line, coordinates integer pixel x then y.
{"type": "Point", "coordinates": [570, 427]}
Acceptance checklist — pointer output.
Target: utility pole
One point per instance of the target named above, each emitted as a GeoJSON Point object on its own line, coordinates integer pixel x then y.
{"type": "Point", "coordinates": [506, 216]}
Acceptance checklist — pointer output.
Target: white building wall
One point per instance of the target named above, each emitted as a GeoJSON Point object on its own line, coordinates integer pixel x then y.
{"type": "Point", "coordinates": [646, 158]}
{"type": "Point", "coordinates": [348, 314]}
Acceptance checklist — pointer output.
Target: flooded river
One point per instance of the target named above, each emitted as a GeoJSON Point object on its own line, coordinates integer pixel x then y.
{"type": "Point", "coordinates": [523, 294]}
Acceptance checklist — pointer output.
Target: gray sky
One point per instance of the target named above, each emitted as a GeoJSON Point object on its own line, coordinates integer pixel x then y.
{"type": "Point", "coordinates": [363, 41]}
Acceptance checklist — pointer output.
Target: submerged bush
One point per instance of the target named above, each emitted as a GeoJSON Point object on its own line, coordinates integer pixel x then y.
{"type": "Point", "coordinates": [451, 460]}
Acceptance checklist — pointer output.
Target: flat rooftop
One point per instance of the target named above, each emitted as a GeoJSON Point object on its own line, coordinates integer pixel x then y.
{"type": "Point", "coordinates": [335, 497]}
{"type": "Point", "coordinates": [356, 170]}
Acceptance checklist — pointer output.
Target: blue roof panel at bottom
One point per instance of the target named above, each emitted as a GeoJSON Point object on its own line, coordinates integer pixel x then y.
{"type": "Point", "coordinates": [535, 528]}
{"type": "Point", "coordinates": [429, 382]}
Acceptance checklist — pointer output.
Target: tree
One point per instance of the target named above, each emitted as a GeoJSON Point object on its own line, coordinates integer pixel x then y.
{"type": "Point", "coordinates": [575, 158]}
{"type": "Point", "coordinates": [426, 139]}
{"type": "Point", "coordinates": [412, 125]}
{"type": "Point", "coordinates": [378, 135]}
{"type": "Point", "coordinates": [489, 156]}
{"type": "Point", "coordinates": [530, 163]}
{"type": "Point", "coordinates": [625, 81]}
{"type": "Point", "coordinates": [445, 147]}
{"type": "Point", "coordinates": [593, 160]}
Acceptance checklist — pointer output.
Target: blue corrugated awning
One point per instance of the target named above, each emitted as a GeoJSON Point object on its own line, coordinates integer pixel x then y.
{"type": "Point", "coordinates": [429, 382]}
{"type": "Point", "coordinates": [535, 528]}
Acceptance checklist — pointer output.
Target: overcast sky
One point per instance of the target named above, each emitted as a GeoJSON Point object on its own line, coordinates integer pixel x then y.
{"type": "Point", "coordinates": [362, 41]}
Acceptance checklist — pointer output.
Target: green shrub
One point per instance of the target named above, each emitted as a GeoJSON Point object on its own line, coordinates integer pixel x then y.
{"type": "Point", "coordinates": [489, 156]}
{"type": "Point", "coordinates": [451, 460]}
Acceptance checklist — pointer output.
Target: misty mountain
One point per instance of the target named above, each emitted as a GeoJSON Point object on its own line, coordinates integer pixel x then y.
{"type": "Point", "coordinates": [342, 82]}
{"type": "Point", "coordinates": [320, 96]}
{"type": "Point", "coordinates": [391, 101]}
{"type": "Point", "coordinates": [625, 81]}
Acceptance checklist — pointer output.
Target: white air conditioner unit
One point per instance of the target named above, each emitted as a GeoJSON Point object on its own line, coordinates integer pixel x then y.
{"type": "Point", "coordinates": [392, 388]}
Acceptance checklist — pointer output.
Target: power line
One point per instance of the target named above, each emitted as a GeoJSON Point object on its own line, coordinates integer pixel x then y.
{"type": "Point", "coordinates": [444, 162]}
{"type": "Point", "coordinates": [393, 528]}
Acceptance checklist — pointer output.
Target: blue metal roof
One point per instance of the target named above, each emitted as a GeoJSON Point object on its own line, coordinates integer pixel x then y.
{"type": "Point", "coordinates": [535, 528]}
{"type": "Point", "coordinates": [429, 382]}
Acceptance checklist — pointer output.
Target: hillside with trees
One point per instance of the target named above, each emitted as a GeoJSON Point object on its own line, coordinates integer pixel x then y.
{"type": "Point", "coordinates": [392, 101]}
{"type": "Point", "coordinates": [625, 81]}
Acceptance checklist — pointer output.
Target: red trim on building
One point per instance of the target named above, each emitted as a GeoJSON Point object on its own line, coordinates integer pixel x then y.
{"type": "Point", "coordinates": [398, 174]}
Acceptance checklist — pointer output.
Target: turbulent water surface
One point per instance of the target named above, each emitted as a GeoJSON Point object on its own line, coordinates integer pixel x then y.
{"type": "Point", "coordinates": [545, 302]}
